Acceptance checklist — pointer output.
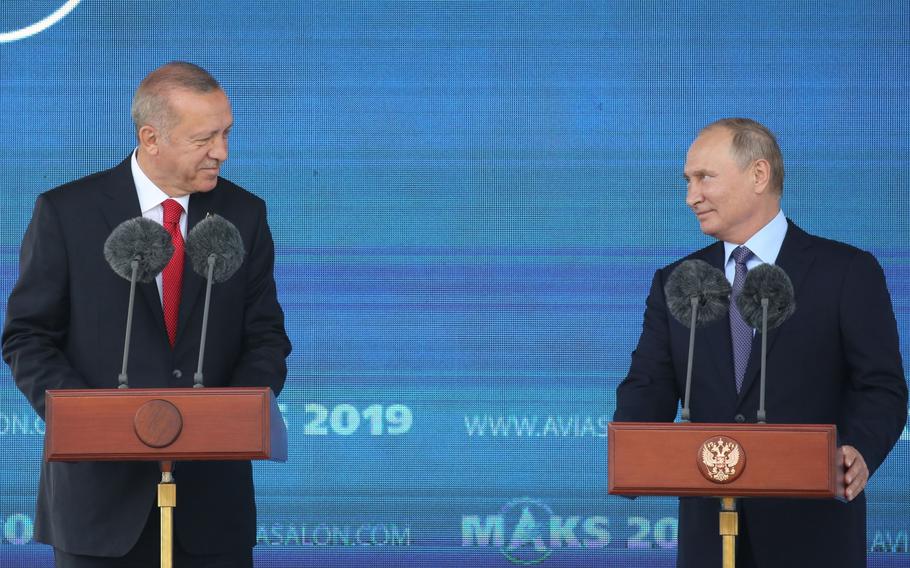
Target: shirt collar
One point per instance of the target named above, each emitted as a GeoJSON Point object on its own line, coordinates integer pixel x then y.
{"type": "Point", "coordinates": [765, 244]}
{"type": "Point", "coordinates": [150, 195]}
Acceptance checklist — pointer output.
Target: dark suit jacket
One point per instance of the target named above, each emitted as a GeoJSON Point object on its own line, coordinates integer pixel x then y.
{"type": "Point", "coordinates": [65, 327]}
{"type": "Point", "coordinates": [835, 361]}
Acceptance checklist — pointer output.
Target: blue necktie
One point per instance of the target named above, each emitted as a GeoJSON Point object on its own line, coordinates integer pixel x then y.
{"type": "Point", "coordinates": [740, 331]}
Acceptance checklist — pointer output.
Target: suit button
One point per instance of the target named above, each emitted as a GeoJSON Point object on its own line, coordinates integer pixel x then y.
{"type": "Point", "coordinates": [739, 418]}
{"type": "Point", "coordinates": [177, 373]}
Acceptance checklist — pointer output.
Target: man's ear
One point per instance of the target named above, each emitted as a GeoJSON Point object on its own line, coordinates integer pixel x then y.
{"type": "Point", "coordinates": [761, 175]}
{"type": "Point", "coordinates": [149, 139]}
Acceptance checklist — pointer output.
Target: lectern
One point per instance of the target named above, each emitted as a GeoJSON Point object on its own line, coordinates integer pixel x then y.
{"type": "Point", "coordinates": [164, 425]}
{"type": "Point", "coordinates": [726, 461]}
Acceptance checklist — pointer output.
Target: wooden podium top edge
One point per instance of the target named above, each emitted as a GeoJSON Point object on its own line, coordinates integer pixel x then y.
{"type": "Point", "coordinates": [719, 426]}
{"type": "Point", "coordinates": [172, 391]}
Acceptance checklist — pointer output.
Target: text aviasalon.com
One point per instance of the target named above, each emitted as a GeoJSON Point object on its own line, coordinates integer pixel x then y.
{"type": "Point", "coordinates": [536, 426]}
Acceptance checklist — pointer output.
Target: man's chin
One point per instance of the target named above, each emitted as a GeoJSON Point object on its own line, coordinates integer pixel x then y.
{"type": "Point", "coordinates": [708, 228]}
{"type": "Point", "coordinates": [207, 182]}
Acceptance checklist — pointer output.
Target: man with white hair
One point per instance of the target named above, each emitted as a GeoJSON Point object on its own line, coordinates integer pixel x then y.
{"type": "Point", "coordinates": [65, 323]}
{"type": "Point", "coordinates": [835, 361]}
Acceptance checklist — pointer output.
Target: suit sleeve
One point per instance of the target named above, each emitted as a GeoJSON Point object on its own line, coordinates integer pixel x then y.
{"type": "Point", "coordinates": [265, 342]}
{"type": "Point", "coordinates": [37, 313]}
{"type": "Point", "coordinates": [876, 398]}
{"type": "Point", "coordinates": [649, 393]}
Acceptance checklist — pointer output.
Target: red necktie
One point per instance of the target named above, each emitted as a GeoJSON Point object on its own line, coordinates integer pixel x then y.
{"type": "Point", "coordinates": [172, 275]}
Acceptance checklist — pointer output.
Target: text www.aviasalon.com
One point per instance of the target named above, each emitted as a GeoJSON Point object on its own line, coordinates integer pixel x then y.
{"type": "Point", "coordinates": [536, 425]}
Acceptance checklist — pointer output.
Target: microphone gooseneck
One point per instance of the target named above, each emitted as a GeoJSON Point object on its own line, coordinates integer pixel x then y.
{"type": "Point", "coordinates": [766, 301]}
{"type": "Point", "coordinates": [215, 249]}
{"type": "Point", "coordinates": [137, 250]}
{"type": "Point", "coordinates": [697, 294]}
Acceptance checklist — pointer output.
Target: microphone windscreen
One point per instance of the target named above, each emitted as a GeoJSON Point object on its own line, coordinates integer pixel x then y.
{"type": "Point", "coordinates": [138, 239]}
{"type": "Point", "coordinates": [766, 281]}
{"type": "Point", "coordinates": [699, 279]}
{"type": "Point", "coordinates": [217, 236]}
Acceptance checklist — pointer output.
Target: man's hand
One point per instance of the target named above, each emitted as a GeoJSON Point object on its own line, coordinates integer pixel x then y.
{"type": "Point", "coordinates": [857, 473]}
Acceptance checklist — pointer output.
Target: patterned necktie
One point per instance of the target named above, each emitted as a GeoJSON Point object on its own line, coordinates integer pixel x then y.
{"type": "Point", "coordinates": [172, 275]}
{"type": "Point", "coordinates": [740, 331]}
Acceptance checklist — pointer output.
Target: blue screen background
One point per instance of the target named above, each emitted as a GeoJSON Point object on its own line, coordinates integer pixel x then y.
{"type": "Point", "coordinates": [469, 200]}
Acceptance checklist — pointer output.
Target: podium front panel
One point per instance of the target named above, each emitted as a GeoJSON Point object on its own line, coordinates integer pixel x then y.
{"type": "Point", "coordinates": [778, 460]}
{"type": "Point", "coordinates": [214, 424]}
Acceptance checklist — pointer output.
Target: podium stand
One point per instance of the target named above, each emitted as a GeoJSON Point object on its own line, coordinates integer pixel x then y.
{"type": "Point", "coordinates": [164, 425]}
{"type": "Point", "coordinates": [726, 461]}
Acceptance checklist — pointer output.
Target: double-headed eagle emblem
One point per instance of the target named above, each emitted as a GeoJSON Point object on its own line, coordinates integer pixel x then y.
{"type": "Point", "coordinates": [720, 457]}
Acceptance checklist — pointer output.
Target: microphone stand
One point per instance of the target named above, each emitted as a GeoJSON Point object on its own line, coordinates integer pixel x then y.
{"type": "Point", "coordinates": [122, 378]}
{"type": "Point", "coordinates": [764, 355]}
{"type": "Point", "coordinates": [685, 409]}
{"type": "Point", "coordinates": [197, 376]}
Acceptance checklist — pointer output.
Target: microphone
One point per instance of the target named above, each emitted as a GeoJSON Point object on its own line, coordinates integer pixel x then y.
{"type": "Point", "coordinates": [137, 250]}
{"type": "Point", "coordinates": [766, 301]}
{"type": "Point", "coordinates": [697, 294]}
{"type": "Point", "coordinates": [215, 250]}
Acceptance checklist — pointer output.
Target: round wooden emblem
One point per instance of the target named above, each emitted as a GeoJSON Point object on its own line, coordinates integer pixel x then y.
{"type": "Point", "coordinates": [157, 423]}
{"type": "Point", "coordinates": [721, 459]}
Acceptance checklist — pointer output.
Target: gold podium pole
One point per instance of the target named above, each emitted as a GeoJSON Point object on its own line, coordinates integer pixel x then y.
{"type": "Point", "coordinates": [729, 528]}
{"type": "Point", "coordinates": [167, 500]}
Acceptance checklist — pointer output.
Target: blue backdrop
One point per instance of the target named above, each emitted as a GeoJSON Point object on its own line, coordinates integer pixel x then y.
{"type": "Point", "coordinates": [469, 200]}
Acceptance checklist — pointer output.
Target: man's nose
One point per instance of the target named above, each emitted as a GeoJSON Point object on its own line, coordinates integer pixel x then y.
{"type": "Point", "coordinates": [219, 149]}
{"type": "Point", "coordinates": [693, 194]}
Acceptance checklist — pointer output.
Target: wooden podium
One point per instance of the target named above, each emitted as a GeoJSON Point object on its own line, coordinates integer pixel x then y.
{"type": "Point", "coordinates": [164, 425]}
{"type": "Point", "coordinates": [726, 461]}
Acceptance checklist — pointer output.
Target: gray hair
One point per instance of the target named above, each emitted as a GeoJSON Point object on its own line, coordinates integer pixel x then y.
{"type": "Point", "coordinates": [753, 141]}
{"type": "Point", "coordinates": [151, 101]}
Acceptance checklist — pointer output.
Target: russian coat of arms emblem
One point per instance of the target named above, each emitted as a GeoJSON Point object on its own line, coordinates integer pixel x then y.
{"type": "Point", "coordinates": [721, 459]}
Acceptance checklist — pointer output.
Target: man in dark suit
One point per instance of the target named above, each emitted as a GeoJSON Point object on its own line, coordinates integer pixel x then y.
{"type": "Point", "coordinates": [836, 360]}
{"type": "Point", "coordinates": [65, 329]}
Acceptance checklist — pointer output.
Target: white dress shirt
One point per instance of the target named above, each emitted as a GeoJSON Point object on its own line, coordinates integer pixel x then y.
{"type": "Point", "coordinates": [150, 199]}
{"type": "Point", "coordinates": [765, 246]}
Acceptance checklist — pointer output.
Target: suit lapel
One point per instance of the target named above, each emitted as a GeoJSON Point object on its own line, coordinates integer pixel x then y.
{"type": "Point", "coordinates": [193, 284]}
{"type": "Point", "coordinates": [795, 258]}
{"type": "Point", "coordinates": [119, 202]}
